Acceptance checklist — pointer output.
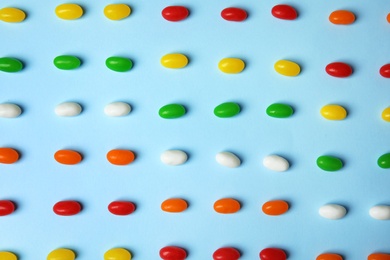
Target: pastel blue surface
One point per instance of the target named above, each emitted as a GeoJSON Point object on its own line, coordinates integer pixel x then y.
{"type": "Point", "coordinates": [37, 181]}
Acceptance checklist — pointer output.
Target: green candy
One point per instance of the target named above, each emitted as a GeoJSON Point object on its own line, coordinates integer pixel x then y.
{"type": "Point", "coordinates": [67, 62]}
{"type": "Point", "coordinates": [119, 64]}
{"type": "Point", "coordinates": [384, 161]}
{"type": "Point", "coordinates": [10, 64]}
{"type": "Point", "coordinates": [329, 163]}
{"type": "Point", "coordinates": [279, 110]}
{"type": "Point", "coordinates": [227, 109]}
{"type": "Point", "coordinates": [172, 111]}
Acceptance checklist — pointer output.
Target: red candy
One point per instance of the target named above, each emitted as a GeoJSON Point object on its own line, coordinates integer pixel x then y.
{"type": "Point", "coordinates": [234, 14]}
{"type": "Point", "coordinates": [173, 253]}
{"type": "Point", "coordinates": [385, 71]}
{"type": "Point", "coordinates": [272, 254]}
{"type": "Point", "coordinates": [67, 208]}
{"type": "Point", "coordinates": [121, 208]}
{"type": "Point", "coordinates": [6, 207]}
{"type": "Point", "coordinates": [285, 12]}
{"type": "Point", "coordinates": [226, 253]}
{"type": "Point", "coordinates": [175, 13]}
{"type": "Point", "coordinates": [339, 69]}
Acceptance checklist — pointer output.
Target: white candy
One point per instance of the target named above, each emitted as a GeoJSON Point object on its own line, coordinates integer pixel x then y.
{"type": "Point", "coordinates": [381, 212]}
{"type": "Point", "coordinates": [173, 157]}
{"type": "Point", "coordinates": [228, 159]}
{"type": "Point", "coordinates": [276, 163]}
{"type": "Point", "coordinates": [332, 211]}
{"type": "Point", "coordinates": [68, 109]}
{"type": "Point", "coordinates": [117, 109]}
{"type": "Point", "coordinates": [10, 110]}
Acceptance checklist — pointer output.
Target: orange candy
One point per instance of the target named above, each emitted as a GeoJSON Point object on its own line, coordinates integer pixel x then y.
{"type": "Point", "coordinates": [329, 256]}
{"type": "Point", "coordinates": [174, 205]}
{"type": "Point", "coordinates": [8, 155]}
{"type": "Point", "coordinates": [379, 256]}
{"type": "Point", "coordinates": [227, 206]}
{"type": "Point", "coordinates": [120, 157]}
{"type": "Point", "coordinates": [68, 157]}
{"type": "Point", "coordinates": [388, 18]}
{"type": "Point", "coordinates": [342, 17]}
{"type": "Point", "coordinates": [275, 207]}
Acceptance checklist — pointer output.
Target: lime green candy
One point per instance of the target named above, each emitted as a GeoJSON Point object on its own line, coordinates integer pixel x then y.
{"type": "Point", "coordinates": [172, 111]}
{"type": "Point", "coordinates": [227, 109]}
{"type": "Point", "coordinates": [329, 163]}
{"type": "Point", "coordinates": [279, 110]}
{"type": "Point", "coordinates": [384, 161]}
{"type": "Point", "coordinates": [119, 64]}
{"type": "Point", "coordinates": [67, 62]}
{"type": "Point", "coordinates": [10, 64]}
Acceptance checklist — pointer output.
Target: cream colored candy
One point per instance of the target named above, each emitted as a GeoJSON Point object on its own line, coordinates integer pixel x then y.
{"type": "Point", "coordinates": [8, 110]}
{"type": "Point", "coordinates": [173, 157]}
{"type": "Point", "coordinates": [380, 212]}
{"type": "Point", "coordinates": [332, 211]}
{"type": "Point", "coordinates": [276, 163]}
{"type": "Point", "coordinates": [68, 109]}
{"type": "Point", "coordinates": [117, 109]}
{"type": "Point", "coordinates": [228, 159]}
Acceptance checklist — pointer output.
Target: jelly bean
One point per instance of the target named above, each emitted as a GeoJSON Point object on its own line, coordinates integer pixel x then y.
{"type": "Point", "coordinates": [227, 109]}
{"type": "Point", "coordinates": [338, 69]}
{"type": "Point", "coordinates": [285, 12]}
{"type": "Point", "coordinates": [12, 15]}
{"type": "Point", "coordinates": [379, 256]}
{"type": "Point", "coordinates": [173, 253]}
{"type": "Point", "coordinates": [67, 62]}
{"type": "Point", "coordinates": [388, 17]}
{"type": "Point", "coordinates": [172, 111]}
{"type": "Point", "coordinates": [279, 110]}
{"type": "Point", "coordinates": [173, 157]}
{"type": "Point", "coordinates": [6, 207]}
{"type": "Point", "coordinates": [4, 255]}
{"type": "Point", "coordinates": [69, 11]}
{"type": "Point", "coordinates": [119, 64]}
{"type": "Point", "coordinates": [10, 65]}
{"type": "Point", "coordinates": [226, 253]}
{"type": "Point", "coordinates": [386, 114]}
{"type": "Point", "coordinates": [384, 161]}
{"type": "Point", "coordinates": [385, 71]}
{"type": "Point", "coordinates": [231, 65]}
{"type": "Point", "coordinates": [272, 254]}
{"type": "Point", "coordinates": [275, 207]}
{"type": "Point", "coordinates": [121, 208]}
{"type": "Point", "coordinates": [175, 13]}
{"type": "Point", "coordinates": [67, 157]}
{"type": "Point", "coordinates": [174, 61]}
{"type": "Point", "coordinates": [332, 211]}
{"type": "Point", "coordinates": [329, 163]}
{"type": "Point", "coordinates": [120, 157]}
{"type": "Point", "coordinates": [333, 112]}
{"type": "Point", "coordinates": [287, 68]}
{"type": "Point", "coordinates": [8, 155]}
{"type": "Point", "coordinates": [227, 206]}
{"type": "Point", "coordinates": [342, 17]}
{"type": "Point", "coordinates": [228, 159]}
{"type": "Point", "coordinates": [117, 11]}
{"type": "Point", "coordinates": [174, 205]}
{"type": "Point", "coordinates": [234, 14]}
{"type": "Point", "coordinates": [117, 254]}
{"type": "Point", "coordinates": [276, 163]}
{"type": "Point", "coordinates": [68, 109]}
{"type": "Point", "coordinates": [329, 256]}
{"type": "Point", "coordinates": [67, 208]}
{"type": "Point", "coordinates": [380, 212]}
{"type": "Point", "coordinates": [61, 254]}
{"type": "Point", "coordinates": [116, 109]}
{"type": "Point", "coordinates": [10, 110]}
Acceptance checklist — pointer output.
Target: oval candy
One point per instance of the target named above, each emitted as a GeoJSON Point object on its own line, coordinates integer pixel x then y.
{"type": "Point", "coordinates": [234, 14]}
{"type": "Point", "coordinates": [380, 212]}
{"type": "Point", "coordinates": [272, 254]}
{"type": "Point", "coordinates": [174, 61]}
{"type": "Point", "coordinates": [333, 112]}
{"type": "Point", "coordinates": [227, 109]}
{"type": "Point", "coordinates": [12, 15]}
{"type": "Point", "coordinates": [117, 109]}
{"type": "Point", "coordinates": [329, 256]}
{"type": "Point", "coordinates": [275, 207]}
{"type": "Point", "coordinates": [4, 255]}
{"type": "Point", "coordinates": [121, 208]}
{"type": "Point", "coordinates": [67, 208]}
{"type": "Point", "coordinates": [329, 163]}
{"type": "Point", "coordinates": [174, 205]}
{"type": "Point", "coordinates": [172, 111]}
{"type": "Point", "coordinates": [332, 211]}
{"type": "Point", "coordinates": [68, 109]}
{"type": "Point", "coordinates": [226, 253]}
{"type": "Point", "coordinates": [279, 110]}
{"type": "Point", "coordinates": [227, 206]}
{"type": "Point", "coordinates": [385, 71]}
{"type": "Point", "coordinates": [173, 157]}
{"type": "Point", "coordinates": [69, 11]}
{"type": "Point", "coordinates": [68, 157]}
{"type": "Point", "coordinates": [120, 157]}
{"type": "Point", "coordinates": [287, 68]}
{"type": "Point", "coordinates": [379, 256]}
{"type": "Point", "coordinates": [8, 155]}
{"type": "Point", "coordinates": [231, 65]}
{"type": "Point", "coordinates": [276, 163]}
{"type": "Point", "coordinates": [117, 12]}
{"type": "Point", "coordinates": [117, 254]}
{"type": "Point", "coordinates": [285, 12]}
{"type": "Point", "coordinates": [10, 65]}
{"type": "Point", "coordinates": [61, 254]}
{"type": "Point", "coordinates": [339, 69]}
{"type": "Point", "coordinates": [119, 64]}
{"type": "Point", "coordinates": [386, 114]}
{"type": "Point", "coordinates": [173, 253]}
{"type": "Point", "coordinates": [8, 110]}
{"type": "Point", "coordinates": [7, 207]}
{"type": "Point", "coordinates": [384, 161]}
{"type": "Point", "coordinates": [228, 159]}
{"type": "Point", "coordinates": [67, 62]}
{"type": "Point", "coordinates": [342, 17]}
{"type": "Point", "coordinates": [175, 13]}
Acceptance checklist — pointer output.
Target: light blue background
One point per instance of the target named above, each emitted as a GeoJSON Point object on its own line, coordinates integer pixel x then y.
{"type": "Point", "coordinates": [37, 182]}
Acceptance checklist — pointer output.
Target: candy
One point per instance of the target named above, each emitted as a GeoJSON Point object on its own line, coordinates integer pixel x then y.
{"type": "Point", "coordinates": [386, 114]}
{"type": "Point", "coordinates": [338, 69]}
{"type": "Point", "coordinates": [227, 206]}
{"type": "Point", "coordinates": [8, 110]}
{"type": "Point", "coordinates": [329, 256]}
{"type": "Point", "coordinates": [333, 112]}
{"type": "Point", "coordinates": [121, 208]}
{"type": "Point", "coordinates": [4, 255]}
{"type": "Point", "coordinates": [119, 64]}
{"type": "Point", "coordinates": [68, 157]}
{"type": "Point", "coordinates": [117, 254]}
{"type": "Point", "coordinates": [385, 71]}
{"type": "Point", "coordinates": [11, 65]}
{"type": "Point", "coordinates": [388, 17]}
{"type": "Point", "coordinates": [379, 256]}
{"type": "Point", "coordinates": [174, 61]}
{"type": "Point", "coordinates": [173, 253]}
{"type": "Point", "coordinates": [380, 212]}
{"type": "Point", "coordinates": [175, 13]}
{"type": "Point", "coordinates": [279, 110]}
{"type": "Point", "coordinates": [384, 161]}
{"type": "Point", "coordinates": [172, 111]}
{"type": "Point", "coordinates": [287, 68]}
{"type": "Point", "coordinates": [276, 163]}
{"type": "Point", "coordinates": [117, 11]}
{"type": "Point", "coordinates": [285, 12]}
{"type": "Point", "coordinates": [120, 157]}
{"type": "Point", "coordinates": [6, 207]}
{"type": "Point", "coordinates": [272, 254]}
{"type": "Point", "coordinates": [67, 208]}
{"type": "Point", "coordinates": [173, 157]}
{"type": "Point", "coordinates": [231, 65]}
{"type": "Point", "coordinates": [226, 253]}
{"type": "Point", "coordinates": [329, 163]}
{"type": "Point", "coordinates": [61, 254]}
{"type": "Point", "coordinates": [174, 205]}
{"type": "Point", "coordinates": [275, 207]}
{"type": "Point", "coordinates": [68, 109]}
{"type": "Point", "coordinates": [117, 109]}
{"type": "Point", "coordinates": [12, 15]}
{"type": "Point", "coordinates": [228, 159]}
{"type": "Point", "coordinates": [69, 11]}
{"type": "Point", "coordinates": [228, 109]}
{"type": "Point", "coordinates": [342, 17]}
{"type": "Point", "coordinates": [67, 62]}
{"type": "Point", "coordinates": [332, 211]}
{"type": "Point", "coordinates": [234, 14]}
{"type": "Point", "coordinates": [8, 155]}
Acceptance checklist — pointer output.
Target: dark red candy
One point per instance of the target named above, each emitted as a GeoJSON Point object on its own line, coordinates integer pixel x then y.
{"type": "Point", "coordinates": [67, 208]}
{"type": "Point", "coordinates": [285, 12]}
{"type": "Point", "coordinates": [121, 208]}
{"type": "Point", "coordinates": [226, 253]}
{"type": "Point", "coordinates": [173, 253]}
{"type": "Point", "coordinates": [6, 207]}
{"type": "Point", "coordinates": [385, 71]}
{"type": "Point", "coordinates": [234, 14]}
{"type": "Point", "coordinates": [175, 13]}
{"type": "Point", "coordinates": [339, 69]}
{"type": "Point", "coordinates": [272, 254]}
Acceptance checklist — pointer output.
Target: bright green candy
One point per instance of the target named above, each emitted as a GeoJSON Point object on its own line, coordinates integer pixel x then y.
{"type": "Point", "coordinates": [384, 161]}
{"type": "Point", "coordinates": [227, 109]}
{"type": "Point", "coordinates": [329, 163]}
{"type": "Point", "coordinates": [172, 111]}
{"type": "Point", "coordinates": [10, 65]}
{"type": "Point", "coordinates": [67, 62]}
{"type": "Point", "coordinates": [119, 64]}
{"type": "Point", "coordinates": [280, 110]}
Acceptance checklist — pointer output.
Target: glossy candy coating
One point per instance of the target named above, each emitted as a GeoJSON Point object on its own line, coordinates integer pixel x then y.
{"type": "Point", "coordinates": [275, 207]}
{"type": "Point", "coordinates": [10, 65]}
{"type": "Point", "coordinates": [61, 254]}
{"type": "Point", "coordinates": [332, 211]}
{"type": "Point", "coordinates": [119, 64]}
{"type": "Point", "coordinates": [175, 13]}
{"type": "Point", "coordinates": [339, 69]}
{"type": "Point", "coordinates": [173, 157]}
{"type": "Point", "coordinates": [234, 14]}
{"type": "Point", "coordinates": [117, 12]}
{"type": "Point", "coordinates": [8, 155]}
{"type": "Point", "coordinates": [4, 255]}
{"type": "Point", "coordinates": [227, 206]}
{"type": "Point", "coordinates": [117, 109]}
{"type": "Point", "coordinates": [6, 207]}
{"type": "Point", "coordinates": [174, 205]}
{"type": "Point", "coordinates": [231, 65]}
{"type": "Point", "coordinates": [8, 110]}
{"type": "Point", "coordinates": [117, 254]}
{"type": "Point", "coordinates": [226, 253]}
{"type": "Point", "coordinates": [68, 157]}
{"type": "Point", "coordinates": [174, 61]}
{"type": "Point", "coordinates": [386, 114]}
{"type": "Point", "coordinates": [279, 110]}
{"type": "Point", "coordinates": [276, 163]}
{"type": "Point", "coordinates": [329, 163]}
{"type": "Point", "coordinates": [12, 15]}
{"type": "Point", "coordinates": [287, 68]}
{"type": "Point", "coordinates": [121, 208]}
{"type": "Point", "coordinates": [173, 253]}
{"type": "Point", "coordinates": [68, 109]}
{"type": "Point", "coordinates": [342, 17]}
{"type": "Point", "coordinates": [228, 109]}
{"type": "Point", "coordinates": [384, 161]}
{"type": "Point", "coordinates": [285, 12]}
{"type": "Point", "coordinates": [388, 17]}
{"type": "Point", "coordinates": [120, 157]}
{"type": "Point", "coordinates": [329, 256]}
{"type": "Point", "coordinates": [67, 62]}
{"type": "Point", "coordinates": [172, 111]}
{"type": "Point", "coordinates": [228, 159]}
{"type": "Point", "coordinates": [379, 256]}
{"type": "Point", "coordinates": [272, 254]}
{"type": "Point", "coordinates": [333, 112]}
{"type": "Point", "coordinates": [67, 208]}
{"type": "Point", "coordinates": [380, 212]}
{"type": "Point", "coordinates": [69, 11]}
{"type": "Point", "coordinates": [385, 71]}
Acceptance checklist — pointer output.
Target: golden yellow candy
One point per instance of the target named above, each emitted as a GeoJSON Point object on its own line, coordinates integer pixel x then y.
{"type": "Point", "coordinates": [231, 65]}
{"type": "Point", "coordinates": [287, 68]}
{"type": "Point", "coordinates": [174, 61]}
{"type": "Point", "coordinates": [333, 112]}
{"type": "Point", "coordinates": [386, 114]}
{"type": "Point", "coordinates": [7, 256]}
{"type": "Point", "coordinates": [117, 254]}
{"type": "Point", "coordinates": [61, 254]}
{"type": "Point", "coordinates": [69, 11]}
{"type": "Point", "coordinates": [117, 11]}
{"type": "Point", "coordinates": [12, 15]}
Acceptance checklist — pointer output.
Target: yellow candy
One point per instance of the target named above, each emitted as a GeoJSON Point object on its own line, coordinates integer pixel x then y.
{"type": "Point", "coordinates": [333, 112]}
{"type": "Point", "coordinates": [7, 256]}
{"type": "Point", "coordinates": [69, 11]}
{"type": "Point", "coordinates": [174, 61]}
{"type": "Point", "coordinates": [117, 254]}
{"type": "Point", "coordinates": [386, 114]}
{"type": "Point", "coordinates": [287, 68]}
{"type": "Point", "coordinates": [12, 15]}
{"type": "Point", "coordinates": [117, 11]}
{"type": "Point", "coordinates": [231, 65]}
{"type": "Point", "coordinates": [61, 254]}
